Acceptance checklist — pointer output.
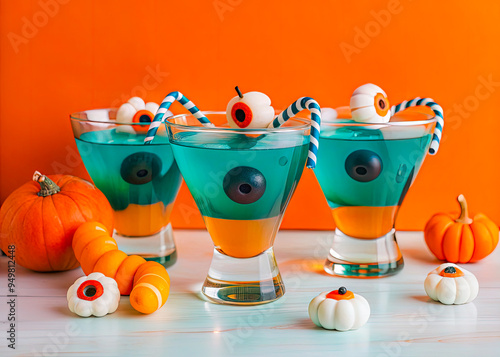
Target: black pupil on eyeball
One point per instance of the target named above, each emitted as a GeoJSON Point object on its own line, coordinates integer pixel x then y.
{"type": "Point", "coordinates": [142, 173]}
{"type": "Point", "coordinates": [90, 291]}
{"type": "Point", "coordinates": [240, 115]}
{"type": "Point", "coordinates": [245, 188]}
{"type": "Point", "coordinates": [381, 103]}
{"type": "Point", "coordinates": [363, 165]}
{"type": "Point", "coordinates": [342, 290]}
{"type": "Point", "coordinates": [244, 185]}
{"type": "Point", "coordinates": [140, 168]}
{"type": "Point", "coordinates": [360, 170]}
{"type": "Point", "coordinates": [450, 270]}
{"type": "Point", "coordinates": [146, 119]}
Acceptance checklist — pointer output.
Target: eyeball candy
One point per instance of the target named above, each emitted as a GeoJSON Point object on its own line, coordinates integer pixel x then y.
{"type": "Point", "coordinates": [369, 104]}
{"type": "Point", "coordinates": [340, 310]}
{"type": "Point", "coordinates": [451, 285]}
{"type": "Point", "coordinates": [125, 113]}
{"type": "Point", "coordinates": [138, 103]}
{"type": "Point", "coordinates": [93, 295]}
{"type": "Point", "coordinates": [129, 113]}
{"type": "Point", "coordinates": [249, 110]}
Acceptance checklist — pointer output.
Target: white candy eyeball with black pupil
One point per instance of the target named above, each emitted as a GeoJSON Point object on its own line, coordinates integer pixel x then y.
{"type": "Point", "coordinates": [254, 110]}
{"type": "Point", "coordinates": [369, 104]}
{"type": "Point", "coordinates": [129, 113]}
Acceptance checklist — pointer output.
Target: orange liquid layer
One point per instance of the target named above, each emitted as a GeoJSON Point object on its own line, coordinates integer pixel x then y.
{"type": "Point", "coordinates": [365, 222]}
{"type": "Point", "coordinates": [142, 220]}
{"type": "Point", "coordinates": [242, 238]}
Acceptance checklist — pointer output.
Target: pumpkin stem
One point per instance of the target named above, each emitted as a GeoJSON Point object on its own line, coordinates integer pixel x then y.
{"type": "Point", "coordinates": [464, 211]}
{"type": "Point", "coordinates": [48, 187]}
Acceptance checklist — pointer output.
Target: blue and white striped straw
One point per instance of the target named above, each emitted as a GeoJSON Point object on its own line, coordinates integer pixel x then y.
{"type": "Point", "coordinates": [438, 111]}
{"type": "Point", "coordinates": [292, 110]}
{"type": "Point", "coordinates": [167, 102]}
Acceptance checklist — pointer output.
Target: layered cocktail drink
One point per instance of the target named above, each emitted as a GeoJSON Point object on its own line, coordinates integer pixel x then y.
{"type": "Point", "coordinates": [365, 170]}
{"type": "Point", "coordinates": [140, 182]}
{"type": "Point", "coordinates": [242, 181]}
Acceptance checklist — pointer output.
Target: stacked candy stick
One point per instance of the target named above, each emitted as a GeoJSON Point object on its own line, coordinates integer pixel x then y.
{"type": "Point", "coordinates": [438, 111]}
{"type": "Point", "coordinates": [292, 110]}
{"type": "Point", "coordinates": [167, 102]}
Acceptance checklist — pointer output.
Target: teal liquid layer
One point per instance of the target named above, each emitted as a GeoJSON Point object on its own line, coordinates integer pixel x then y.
{"type": "Point", "coordinates": [114, 162]}
{"type": "Point", "coordinates": [205, 163]}
{"type": "Point", "coordinates": [401, 159]}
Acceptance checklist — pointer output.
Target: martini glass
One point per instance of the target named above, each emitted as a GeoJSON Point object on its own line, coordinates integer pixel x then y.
{"type": "Point", "coordinates": [140, 182]}
{"type": "Point", "coordinates": [242, 181]}
{"type": "Point", "coordinates": [365, 171]}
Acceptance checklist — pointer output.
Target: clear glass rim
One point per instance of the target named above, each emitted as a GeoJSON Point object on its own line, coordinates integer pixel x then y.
{"type": "Point", "coordinates": [306, 124]}
{"type": "Point", "coordinates": [378, 125]}
{"type": "Point", "coordinates": [75, 116]}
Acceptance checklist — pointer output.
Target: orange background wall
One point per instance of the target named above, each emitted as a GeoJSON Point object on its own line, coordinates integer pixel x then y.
{"type": "Point", "coordinates": [61, 56]}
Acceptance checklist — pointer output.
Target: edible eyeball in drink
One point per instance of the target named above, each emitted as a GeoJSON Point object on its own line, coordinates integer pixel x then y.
{"type": "Point", "coordinates": [129, 113]}
{"type": "Point", "coordinates": [140, 168]}
{"type": "Point", "coordinates": [250, 110]}
{"type": "Point", "coordinates": [363, 165]}
{"type": "Point", "coordinates": [143, 116]}
{"type": "Point", "coordinates": [369, 104]}
{"type": "Point", "coordinates": [138, 103]}
{"type": "Point", "coordinates": [244, 184]}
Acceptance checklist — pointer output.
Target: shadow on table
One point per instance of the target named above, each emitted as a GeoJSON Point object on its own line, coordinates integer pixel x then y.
{"type": "Point", "coordinates": [422, 255]}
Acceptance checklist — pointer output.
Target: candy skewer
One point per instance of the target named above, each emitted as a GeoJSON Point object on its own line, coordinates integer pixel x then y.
{"type": "Point", "coordinates": [438, 111]}
{"type": "Point", "coordinates": [167, 102]}
{"type": "Point", "coordinates": [314, 108]}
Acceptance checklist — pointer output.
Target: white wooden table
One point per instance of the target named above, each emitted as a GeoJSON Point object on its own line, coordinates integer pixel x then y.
{"type": "Point", "coordinates": [403, 322]}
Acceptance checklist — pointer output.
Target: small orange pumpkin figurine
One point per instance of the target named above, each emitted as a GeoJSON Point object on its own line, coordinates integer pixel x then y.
{"type": "Point", "coordinates": [461, 240]}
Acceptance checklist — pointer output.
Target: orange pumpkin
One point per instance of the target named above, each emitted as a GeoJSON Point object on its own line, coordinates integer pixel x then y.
{"type": "Point", "coordinates": [461, 240]}
{"type": "Point", "coordinates": [147, 283]}
{"type": "Point", "coordinates": [41, 216]}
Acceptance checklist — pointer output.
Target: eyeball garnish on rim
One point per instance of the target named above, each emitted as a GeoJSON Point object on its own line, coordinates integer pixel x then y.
{"type": "Point", "coordinates": [369, 104]}
{"type": "Point", "coordinates": [129, 113]}
{"type": "Point", "coordinates": [249, 110]}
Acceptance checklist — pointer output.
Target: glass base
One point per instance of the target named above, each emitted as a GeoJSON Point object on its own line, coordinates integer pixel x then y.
{"type": "Point", "coordinates": [159, 247]}
{"type": "Point", "coordinates": [364, 258]}
{"type": "Point", "coordinates": [249, 281]}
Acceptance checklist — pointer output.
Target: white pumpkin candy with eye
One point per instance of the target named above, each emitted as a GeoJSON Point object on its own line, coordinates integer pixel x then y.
{"type": "Point", "coordinates": [249, 110]}
{"type": "Point", "coordinates": [369, 104]}
{"type": "Point", "coordinates": [450, 284]}
{"type": "Point", "coordinates": [93, 295]}
{"type": "Point", "coordinates": [340, 310]}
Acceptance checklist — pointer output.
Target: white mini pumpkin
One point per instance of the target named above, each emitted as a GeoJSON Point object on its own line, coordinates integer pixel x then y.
{"type": "Point", "coordinates": [93, 295]}
{"type": "Point", "coordinates": [369, 104]}
{"type": "Point", "coordinates": [340, 310]}
{"type": "Point", "coordinates": [450, 284]}
{"type": "Point", "coordinates": [249, 110]}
